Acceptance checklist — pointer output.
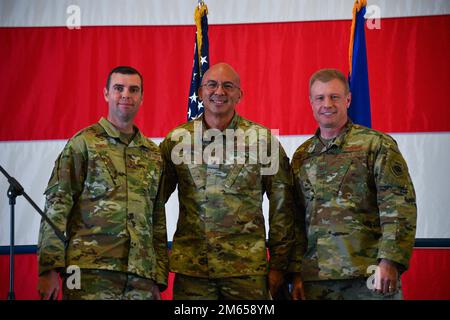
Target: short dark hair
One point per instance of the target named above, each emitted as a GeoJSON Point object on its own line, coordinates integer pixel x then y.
{"type": "Point", "coordinates": [325, 75]}
{"type": "Point", "coordinates": [124, 70]}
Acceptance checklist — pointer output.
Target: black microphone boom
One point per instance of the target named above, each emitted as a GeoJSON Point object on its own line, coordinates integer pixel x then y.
{"type": "Point", "coordinates": [14, 190]}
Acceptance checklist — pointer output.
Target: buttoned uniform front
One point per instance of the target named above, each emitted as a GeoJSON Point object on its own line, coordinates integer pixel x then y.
{"type": "Point", "coordinates": [220, 230]}
{"type": "Point", "coordinates": [358, 205]}
{"type": "Point", "coordinates": [103, 193]}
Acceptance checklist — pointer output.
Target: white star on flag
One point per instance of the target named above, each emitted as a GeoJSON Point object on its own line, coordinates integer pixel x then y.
{"type": "Point", "coordinates": [193, 97]}
{"type": "Point", "coordinates": [203, 60]}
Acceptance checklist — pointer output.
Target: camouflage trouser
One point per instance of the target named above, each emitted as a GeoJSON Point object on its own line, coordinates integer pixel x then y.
{"type": "Point", "coordinates": [351, 289]}
{"type": "Point", "coordinates": [231, 288]}
{"type": "Point", "coordinates": [110, 285]}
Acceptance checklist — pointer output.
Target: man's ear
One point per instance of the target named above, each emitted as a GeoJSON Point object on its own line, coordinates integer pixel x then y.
{"type": "Point", "coordinates": [349, 99]}
{"type": "Point", "coordinates": [241, 95]}
{"type": "Point", "coordinates": [105, 94]}
{"type": "Point", "coordinates": [200, 93]}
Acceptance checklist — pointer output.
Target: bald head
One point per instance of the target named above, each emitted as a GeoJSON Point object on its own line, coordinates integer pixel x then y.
{"type": "Point", "coordinates": [222, 68]}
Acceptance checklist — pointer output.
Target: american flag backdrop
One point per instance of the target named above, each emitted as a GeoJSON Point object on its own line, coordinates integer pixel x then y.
{"type": "Point", "coordinates": [201, 60]}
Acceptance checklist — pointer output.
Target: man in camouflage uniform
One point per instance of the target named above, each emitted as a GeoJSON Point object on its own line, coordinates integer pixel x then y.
{"type": "Point", "coordinates": [219, 249]}
{"type": "Point", "coordinates": [103, 193]}
{"type": "Point", "coordinates": [353, 184]}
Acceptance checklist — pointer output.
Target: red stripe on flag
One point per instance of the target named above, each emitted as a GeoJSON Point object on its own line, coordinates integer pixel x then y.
{"type": "Point", "coordinates": [52, 78]}
{"type": "Point", "coordinates": [427, 278]}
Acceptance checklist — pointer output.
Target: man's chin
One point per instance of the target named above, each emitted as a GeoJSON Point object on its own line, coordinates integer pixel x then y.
{"type": "Point", "coordinates": [219, 107]}
{"type": "Point", "coordinates": [127, 116]}
{"type": "Point", "coordinates": [327, 125]}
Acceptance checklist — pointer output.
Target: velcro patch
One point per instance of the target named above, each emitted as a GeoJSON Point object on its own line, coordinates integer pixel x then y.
{"type": "Point", "coordinates": [397, 169]}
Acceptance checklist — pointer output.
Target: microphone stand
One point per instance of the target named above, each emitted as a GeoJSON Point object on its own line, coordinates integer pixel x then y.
{"type": "Point", "coordinates": [15, 190]}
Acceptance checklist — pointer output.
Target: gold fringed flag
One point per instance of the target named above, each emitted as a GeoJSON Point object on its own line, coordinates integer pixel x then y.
{"type": "Point", "coordinates": [201, 60]}
{"type": "Point", "coordinates": [359, 110]}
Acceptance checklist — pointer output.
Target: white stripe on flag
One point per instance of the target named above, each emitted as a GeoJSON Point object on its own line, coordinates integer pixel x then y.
{"type": "Point", "coordinates": [427, 156]}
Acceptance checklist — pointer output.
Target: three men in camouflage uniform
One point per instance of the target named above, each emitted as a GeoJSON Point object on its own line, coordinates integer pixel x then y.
{"type": "Point", "coordinates": [353, 184]}
{"type": "Point", "coordinates": [103, 193]}
{"type": "Point", "coordinates": [219, 249]}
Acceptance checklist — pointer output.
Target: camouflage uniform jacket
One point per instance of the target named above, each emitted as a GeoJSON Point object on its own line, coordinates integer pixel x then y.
{"type": "Point", "coordinates": [103, 194]}
{"type": "Point", "coordinates": [359, 202]}
{"type": "Point", "coordinates": [221, 230]}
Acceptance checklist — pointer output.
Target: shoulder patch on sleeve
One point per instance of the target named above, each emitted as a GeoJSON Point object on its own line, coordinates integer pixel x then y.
{"type": "Point", "coordinates": [397, 168]}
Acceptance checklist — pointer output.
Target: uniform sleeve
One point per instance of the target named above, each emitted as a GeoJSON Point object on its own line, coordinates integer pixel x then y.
{"type": "Point", "coordinates": [170, 178]}
{"type": "Point", "coordinates": [397, 204]}
{"type": "Point", "coordinates": [300, 241]}
{"type": "Point", "coordinates": [281, 220]}
{"type": "Point", "coordinates": [167, 186]}
{"type": "Point", "coordinates": [160, 240]}
{"type": "Point", "coordinates": [64, 187]}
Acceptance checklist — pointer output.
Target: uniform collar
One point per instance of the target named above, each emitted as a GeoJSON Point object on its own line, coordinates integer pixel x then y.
{"type": "Point", "coordinates": [232, 125]}
{"type": "Point", "coordinates": [337, 142]}
{"type": "Point", "coordinates": [138, 140]}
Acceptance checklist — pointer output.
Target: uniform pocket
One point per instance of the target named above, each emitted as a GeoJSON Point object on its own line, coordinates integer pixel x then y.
{"type": "Point", "coordinates": [244, 180]}
{"type": "Point", "coordinates": [152, 177]}
{"type": "Point", "coordinates": [53, 182]}
{"type": "Point", "coordinates": [356, 179]}
{"type": "Point", "coordinates": [338, 167]}
{"type": "Point", "coordinates": [101, 176]}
